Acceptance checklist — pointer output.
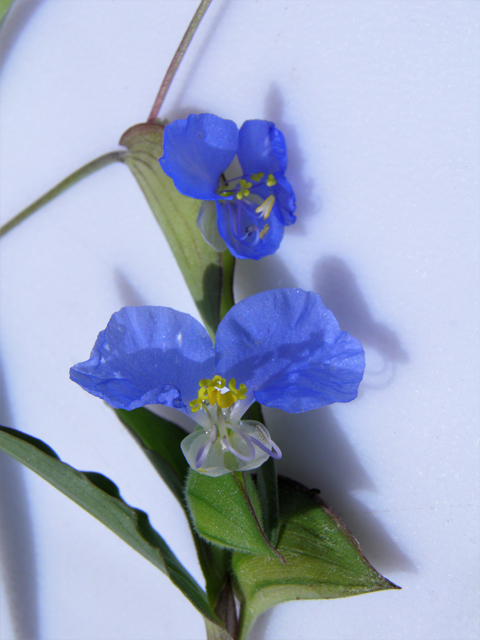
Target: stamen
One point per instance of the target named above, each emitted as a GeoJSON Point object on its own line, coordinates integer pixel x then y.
{"type": "Point", "coordinates": [266, 207]}
{"type": "Point", "coordinates": [195, 405]}
{"type": "Point", "coordinates": [274, 452]}
{"type": "Point", "coordinates": [257, 237]}
{"type": "Point", "coordinates": [271, 182]}
{"type": "Point", "coordinates": [211, 391]}
{"type": "Point", "coordinates": [202, 453]}
{"type": "Point", "coordinates": [212, 395]}
{"type": "Point", "coordinates": [264, 230]}
{"type": "Point", "coordinates": [218, 382]}
{"type": "Point", "coordinates": [225, 400]}
{"type": "Point", "coordinates": [237, 453]}
{"type": "Point", "coordinates": [241, 392]}
{"type": "Point", "coordinates": [243, 189]}
{"type": "Point", "coordinates": [249, 230]}
{"type": "Point", "coordinates": [257, 176]}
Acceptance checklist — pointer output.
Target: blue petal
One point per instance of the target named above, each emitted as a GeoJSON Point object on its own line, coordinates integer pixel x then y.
{"type": "Point", "coordinates": [147, 355]}
{"type": "Point", "coordinates": [285, 199]}
{"type": "Point", "coordinates": [233, 218]}
{"type": "Point", "coordinates": [287, 347]}
{"type": "Point", "coordinates": [196, 151]}
{"type": "Point", "coordinates": [261, 147]}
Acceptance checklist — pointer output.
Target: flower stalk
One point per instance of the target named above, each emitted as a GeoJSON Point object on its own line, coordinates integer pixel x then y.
{"type": "Point", "coordinates": [177, 58]}
{"type": "Point", "coordinates": [69, 181]}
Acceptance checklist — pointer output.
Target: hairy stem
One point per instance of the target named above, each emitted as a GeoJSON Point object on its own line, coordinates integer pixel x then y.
{"type": "Point", "coordinates": [73, 178]}
{"type": "Point", "coordinates": [177, 58]}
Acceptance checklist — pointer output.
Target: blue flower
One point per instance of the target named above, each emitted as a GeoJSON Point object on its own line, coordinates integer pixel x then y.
{"type": "Point", "coordinates": [283, 347]}
{"type": "Point", "coordinates": [246, 213]}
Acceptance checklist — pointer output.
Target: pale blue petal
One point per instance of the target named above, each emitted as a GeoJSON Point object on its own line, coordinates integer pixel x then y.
{"type": "Point", "coordinates": [287, 347]}
{"type": "Point", "coordinates": [147, 355]}
{"type": "Point", "coordinates": [196, 151]}
{"type": "Point", "coordinates": [261, 147]}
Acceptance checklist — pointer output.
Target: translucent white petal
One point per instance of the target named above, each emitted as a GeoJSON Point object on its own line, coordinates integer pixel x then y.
{"type": "Point", "coordinates": [207, 223]}
{"type": "Point", "coordinates": [220, 460]}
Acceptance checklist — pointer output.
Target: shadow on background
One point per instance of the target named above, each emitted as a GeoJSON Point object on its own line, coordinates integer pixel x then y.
{"type": "Point", "coordinates": [319, 453]}
{"type": "Point", "coordinates": [128, 294]}
{"type": "Point", "coordinates": [17, 548]}
{"type": "Point", "coordinates": [307, 204]}
{"type": "Point", "coordinates": [334, 281]}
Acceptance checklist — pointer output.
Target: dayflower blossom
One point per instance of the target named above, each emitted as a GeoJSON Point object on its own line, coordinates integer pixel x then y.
{"type": "Point", "coordinates": [283, 348]}
{"type": "Point", "coordinates": [248, 212]}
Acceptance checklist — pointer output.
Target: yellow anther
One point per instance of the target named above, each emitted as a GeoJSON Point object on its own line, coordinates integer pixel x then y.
{"type": "Point", "coordinates": [211, 391]}
{"type": "Point", "coordinates": [212, 395]}
{"type": "Point", "coordinates": [195, 405]}
{"type": "Point", "coordinates": [225, 400]}
{"type": "Point", "coordinates": [266, 207]}
{"type": "Point", "coordinates": [264, 230]}
{"type": "Point", "coordinates": [243, 189]}
{"type": "Point", "coordinates": [240, 393]}
{"type": "Point", "coordinates": [271, 182]}
{"type": "Point", "coordinates": [257, 176]}
{"type": "Point", "coordinates": [218, 382]}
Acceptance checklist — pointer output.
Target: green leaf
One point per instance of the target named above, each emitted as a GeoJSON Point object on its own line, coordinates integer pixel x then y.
{"type": "Point", "coordinates": [100, 497]}
{"type": "Point", "coordinates": [160, 440]}
{"type": "Point", "coordinates": [201, 265]}
{"type": "Point", "coordinates": [268, 496]}
{"type": "Point", "coordinates": [267, 486]}
{"type": "Point", "coordinates": [214, 632]}
{"type": "Point", "coordinates": [226, 512]}
{"type": "Point", "coordinates": [322, 559]}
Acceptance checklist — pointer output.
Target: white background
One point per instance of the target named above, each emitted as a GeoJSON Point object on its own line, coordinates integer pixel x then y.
{"type": "Point", "coordinates": [378, 101]}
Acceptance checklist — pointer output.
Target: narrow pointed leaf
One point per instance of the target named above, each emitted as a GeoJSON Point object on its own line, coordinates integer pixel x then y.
{"type": "Point", "coordinates": [100, 497]}
{"type": "Point", "coordinates": [201, 265]}
{"type": "Point", "coordinates": [160, 440]}
{"type": "Point", "coordinates": [268, 496]}
{"type": "Point", "coordinates": [222, 516]}
{"type": "Point", "coordinates": [66, 183]}
{"type": "Point", "coordinates": [266, 476]}
{"type": "Point", "coordinates": [322, 559]}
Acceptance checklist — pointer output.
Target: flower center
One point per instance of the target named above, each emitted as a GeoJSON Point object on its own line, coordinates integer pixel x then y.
{"type": "Point", "coordinates": [247, 210]}
{"type": "Point", "coordinates": [211, 392]}
{"type": "Point", "coordinates": [245, 440]}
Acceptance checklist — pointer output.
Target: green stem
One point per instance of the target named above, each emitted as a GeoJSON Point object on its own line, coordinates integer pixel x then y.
{"type": "Point", "coordinates": [177, 58]}
{"type": "Point", "coordinates": [228, 267]}
{"type": "Point", "coordinates": [73, 178]}
{"type": "Point", "coordinates": [214, 632]}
